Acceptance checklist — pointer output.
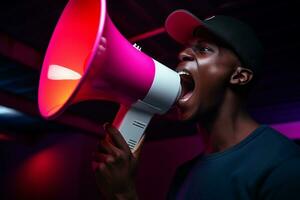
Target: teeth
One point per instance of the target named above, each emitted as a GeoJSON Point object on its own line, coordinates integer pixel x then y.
{"type": "Point", "coordinates": [184, 73]}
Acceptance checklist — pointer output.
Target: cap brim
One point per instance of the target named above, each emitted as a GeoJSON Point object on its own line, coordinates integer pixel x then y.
{"type": "Point", "coordinates": [180, 25]}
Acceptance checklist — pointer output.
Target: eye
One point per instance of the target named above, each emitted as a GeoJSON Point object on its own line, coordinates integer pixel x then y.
{"type": "Point", "coordinates": [203, 49]}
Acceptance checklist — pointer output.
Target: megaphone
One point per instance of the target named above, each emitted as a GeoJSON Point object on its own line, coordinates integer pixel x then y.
{"type": "Point", "coordinates": [87, 58]}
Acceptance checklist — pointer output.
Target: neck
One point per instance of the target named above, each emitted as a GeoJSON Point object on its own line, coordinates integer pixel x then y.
{"type": "Point", "coordinates": [230, 125]}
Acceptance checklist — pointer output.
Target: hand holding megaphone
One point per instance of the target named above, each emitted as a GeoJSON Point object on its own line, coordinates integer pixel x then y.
{"type": "Point", "coordinates": [115, 166]}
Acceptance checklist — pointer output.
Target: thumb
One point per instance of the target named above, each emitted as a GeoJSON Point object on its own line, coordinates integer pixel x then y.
{"type": "Point", "coordinates": [136, 152]}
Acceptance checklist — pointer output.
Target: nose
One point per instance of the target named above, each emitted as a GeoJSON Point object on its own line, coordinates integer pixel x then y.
{"type": "Point", "coordinates": [186, 55]}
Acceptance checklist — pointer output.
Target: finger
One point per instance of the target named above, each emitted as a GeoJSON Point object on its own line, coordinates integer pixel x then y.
{"type": "Point", "coordinates": [101, 49]}
{"type": "Point", "coordinates": [117, 138]}
{"type": "Point", "coordinates": [96, 166]}
{"type": "Point", "coordinates": [137, 150]}
{"type": "Point", "coordinates": [104, 146]}
{"type": "Point", "coordinates": [102, 157]}
{"type": "Point", "coordinates": [101, 147]}
{"type": "Point", "coordinates": [113, 150]}
{"type": "Point", "coordinates": [101, 171]}
{"type": "Point", "coordinates": [103, 41]}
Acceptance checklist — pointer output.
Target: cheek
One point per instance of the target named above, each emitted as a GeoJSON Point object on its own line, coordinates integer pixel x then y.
{"type": "Point", "coordinates": [213, 71]}
{"type": "Point", "coordinates": [209, 67]}
{"type": "Point", "coordinates": [216, 82]}
{"type": "Point", "coordinates": [211, 76]}
{"type": "Point", "coordinates": [211, 85]}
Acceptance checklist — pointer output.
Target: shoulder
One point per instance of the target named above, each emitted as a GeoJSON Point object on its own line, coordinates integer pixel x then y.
{"type": "Point", "coordinates": [283, 181]}
{"type": "Point", "coordinates": [275, 146]}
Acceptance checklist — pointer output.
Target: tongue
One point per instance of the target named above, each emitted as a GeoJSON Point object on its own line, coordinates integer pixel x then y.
{"type": "Point", "coordinates": [185, 91]}
{"type": "Point", "coordinates": [186, 96]}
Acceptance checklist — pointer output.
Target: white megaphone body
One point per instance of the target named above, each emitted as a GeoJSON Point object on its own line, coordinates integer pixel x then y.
{"type": "Point", "coordinates": [87, 58]}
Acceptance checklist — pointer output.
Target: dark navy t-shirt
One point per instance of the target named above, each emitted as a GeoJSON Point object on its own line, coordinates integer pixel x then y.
{"type": "Point", "coordinates": [265, 165]}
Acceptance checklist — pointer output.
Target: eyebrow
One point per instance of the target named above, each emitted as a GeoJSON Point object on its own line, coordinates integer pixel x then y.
{"type": "Point", "coordinates": [203, 42]}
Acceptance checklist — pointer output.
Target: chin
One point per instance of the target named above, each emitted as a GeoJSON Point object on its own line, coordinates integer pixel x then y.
{"type": "Point", "coordinates": [187, 115]}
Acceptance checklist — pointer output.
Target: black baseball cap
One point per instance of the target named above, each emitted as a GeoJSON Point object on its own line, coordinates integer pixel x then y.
{"type": "Point", "coordinates": [182, 26]}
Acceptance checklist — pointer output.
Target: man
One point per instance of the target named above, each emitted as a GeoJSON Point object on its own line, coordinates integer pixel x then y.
{"type": "Point", "coordinates": [242, 159]}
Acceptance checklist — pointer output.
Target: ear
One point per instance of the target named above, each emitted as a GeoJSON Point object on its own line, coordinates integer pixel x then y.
{"type": "Point", "coordinates": [241, 76]}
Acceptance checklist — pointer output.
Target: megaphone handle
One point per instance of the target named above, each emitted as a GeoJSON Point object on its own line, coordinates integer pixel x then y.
{"type": "Point", "coordinates": [132, 123]}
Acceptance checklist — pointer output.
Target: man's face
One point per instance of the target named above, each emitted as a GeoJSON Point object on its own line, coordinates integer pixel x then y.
{"type": "Point", "coordinates": [205, 69]}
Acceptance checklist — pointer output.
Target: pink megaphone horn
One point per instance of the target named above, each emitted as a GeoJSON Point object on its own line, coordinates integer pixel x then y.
{"type": "Point", "coordinates": [87, 58]}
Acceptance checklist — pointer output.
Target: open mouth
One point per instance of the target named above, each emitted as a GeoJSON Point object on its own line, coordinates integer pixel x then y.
{"type": "Point", "coordinates": [187, 85]}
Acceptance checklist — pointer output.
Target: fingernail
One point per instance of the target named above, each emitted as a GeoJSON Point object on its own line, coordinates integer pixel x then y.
{"type": "Point", "coordinates": [105, 125]}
